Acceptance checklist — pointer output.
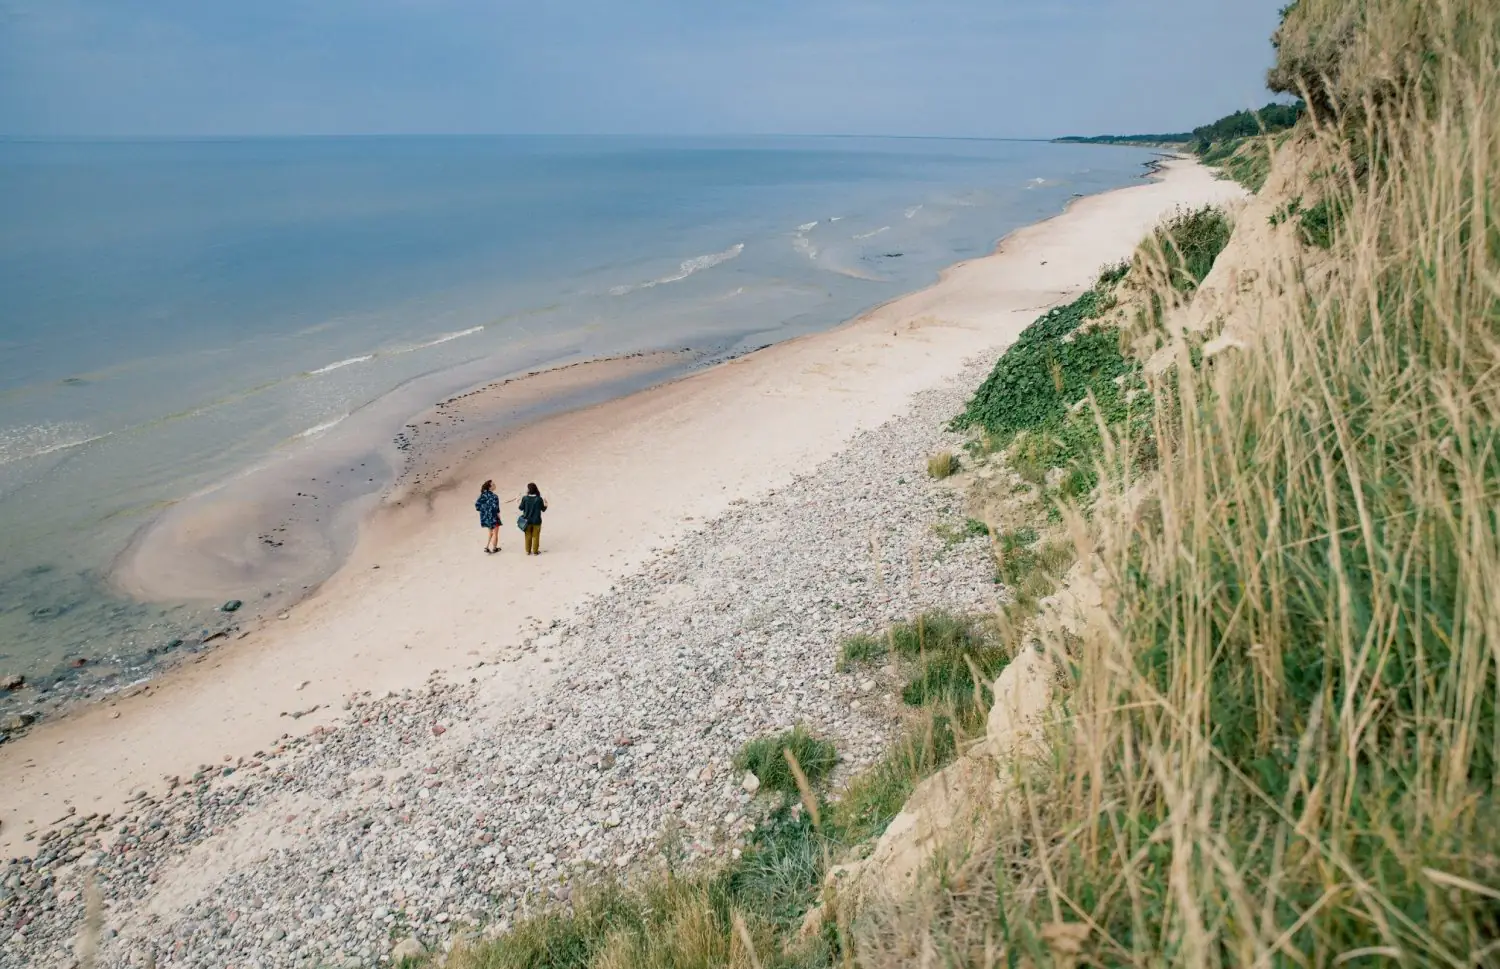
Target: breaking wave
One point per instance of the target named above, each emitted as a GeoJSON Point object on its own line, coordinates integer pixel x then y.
{"type": "Point", "coordinates": [684, 269]}
{"type": "Point", "coordinates": [446, 337]}
{"type": "Point", "coordinates": [317, 429]}
{"type": "Point", "coordinates": [34, 441]}
{"type": "Point", "coordinates": [341, 364]}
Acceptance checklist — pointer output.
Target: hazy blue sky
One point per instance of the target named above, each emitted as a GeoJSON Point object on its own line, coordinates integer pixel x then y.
{"type": "Point", "coordinates": [941, 67]}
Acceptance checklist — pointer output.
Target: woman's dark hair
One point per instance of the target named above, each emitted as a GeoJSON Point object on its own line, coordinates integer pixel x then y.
{"type": "Point", "coordinates": [531, 489]}
{"type": "Point", "coordinates": [487, 486]}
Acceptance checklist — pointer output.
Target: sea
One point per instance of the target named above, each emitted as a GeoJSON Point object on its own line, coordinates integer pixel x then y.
{"type": "Point", "coordinates": [176, 313]}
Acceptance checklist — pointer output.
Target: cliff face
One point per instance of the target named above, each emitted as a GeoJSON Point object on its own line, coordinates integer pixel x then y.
{"type": "Point", "coordinates": [1258, 717]}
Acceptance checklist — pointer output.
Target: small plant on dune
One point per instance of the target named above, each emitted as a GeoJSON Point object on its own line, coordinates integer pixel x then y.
{"type": "Point", "coordinates": [861, 648]}
{"type": "Point", "coordinates": [1028, 569]}
{"type": "Point", "coordinates": [946, 680]}
{"type": "Point", "coordinates": [934, 631]}
{"type": "Point", "coordinates": [1316, 225]}
{"type": "Point", "coordinates": [1182, 250]}
{"type": "Point", "coordinates": [953, 535]}
{"type": "Point", "coordinates": [765, 757]}
{"type": "Point", "coordinates": [942, 465]}
{"type": "Point", "coordinates": [1112, 274]}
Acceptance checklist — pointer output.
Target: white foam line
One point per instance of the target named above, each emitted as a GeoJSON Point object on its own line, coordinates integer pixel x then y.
{"type": "Point", "coordinates": [341, 363]}
{"type": "Point", "coordinates": [866, 235]}
{"type": "Point", "coordinates": [53, 448]}
{"type": "Point", "coordinates": [807, 226]}
{"type": "Point", "coordinates": [320, 428]}
{"type": "Point", "coordinates": [913, 211]}
{"type": "Point", "coordinates": [685, 269]}
{"type": "Point", "coordinates": [445, 338]}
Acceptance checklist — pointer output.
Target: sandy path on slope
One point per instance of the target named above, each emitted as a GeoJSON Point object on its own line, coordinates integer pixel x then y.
{"type": "Point", "coordinates": [622, 478]}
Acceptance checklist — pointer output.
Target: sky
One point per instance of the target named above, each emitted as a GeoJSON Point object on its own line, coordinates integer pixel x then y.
{"type": "Point", "coordinates": [968, 68]}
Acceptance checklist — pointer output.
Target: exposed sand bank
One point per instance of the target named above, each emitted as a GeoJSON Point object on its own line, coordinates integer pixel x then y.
{"type": "Point", "coordinates": [622, 478]}
{"type": "Point", "coordinates": [288, 524]}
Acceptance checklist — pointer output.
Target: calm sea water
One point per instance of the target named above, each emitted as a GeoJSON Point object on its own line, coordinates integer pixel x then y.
{"type": "Point", "coordinates": [171, 313]}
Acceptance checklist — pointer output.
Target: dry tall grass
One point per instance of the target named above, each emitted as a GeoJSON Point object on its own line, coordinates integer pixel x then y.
{"type": "Point", "coordinates": [1284, 750]}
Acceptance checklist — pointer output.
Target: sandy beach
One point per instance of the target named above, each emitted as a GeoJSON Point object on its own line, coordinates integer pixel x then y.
{"type": "Point", "coordinates": [417, 604]}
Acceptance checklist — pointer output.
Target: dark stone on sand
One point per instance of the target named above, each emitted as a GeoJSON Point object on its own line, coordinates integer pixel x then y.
{"type": "Point", "coordinates": [13, 682]}
{"type": "Point", "coordinates": [20, 721]}
{"type": "Point", "coordinates": [78, 662]}
{"type": "Point", "coordinates": [231, 605]}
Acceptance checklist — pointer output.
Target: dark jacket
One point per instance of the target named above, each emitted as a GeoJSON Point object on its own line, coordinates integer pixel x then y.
{"type": "Point", "coordinates": [532, 507]}
{"type": "Point", "coordinates": [488, 507]}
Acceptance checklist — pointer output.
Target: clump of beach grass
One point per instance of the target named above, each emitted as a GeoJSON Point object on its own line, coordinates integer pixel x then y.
{"type": "Point", "coordinates": [942, 465]}
{"type": "Point", "coordinates": [765, 757]}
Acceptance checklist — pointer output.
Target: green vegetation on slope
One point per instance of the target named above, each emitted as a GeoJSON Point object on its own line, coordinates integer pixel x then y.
{"type": "Point", "coordinates": [1284, 750]}
{"type": "Point", "coordinates": [1067, 373]}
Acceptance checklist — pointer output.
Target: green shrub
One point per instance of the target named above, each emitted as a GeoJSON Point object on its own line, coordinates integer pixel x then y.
{"type": "Point", "coordinates": [1035, 382]}
{"type": "Point", "coordinates": [1190, 242]}
{"type": "Point", "coordinates": [1112, 274]}
{"type": "Point", "coordinates": [1316, 226]}
{"type": "Point", "coordinates": [764, 758]}
{"type": "Point", "coordinates": [946, 682]}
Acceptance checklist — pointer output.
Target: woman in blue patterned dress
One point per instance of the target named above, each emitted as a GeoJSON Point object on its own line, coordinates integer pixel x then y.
{"type": "Point", "coordinates": [488, 507]}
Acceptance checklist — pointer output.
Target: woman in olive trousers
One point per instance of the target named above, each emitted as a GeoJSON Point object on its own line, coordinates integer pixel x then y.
{"type": "Point", "coordinates": [532, 505]}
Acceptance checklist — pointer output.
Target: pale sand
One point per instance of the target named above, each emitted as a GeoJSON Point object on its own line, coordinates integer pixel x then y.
{"type": "Point", "coordinates": [622, 478]}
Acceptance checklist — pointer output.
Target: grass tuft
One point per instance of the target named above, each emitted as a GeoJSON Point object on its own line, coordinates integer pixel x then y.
{"type": "Point", "coordinates": [764, 758]}
{"type": "Point", "coordinates": [942, 465]}
{"type": "Point", "coordinates": [861, 648]}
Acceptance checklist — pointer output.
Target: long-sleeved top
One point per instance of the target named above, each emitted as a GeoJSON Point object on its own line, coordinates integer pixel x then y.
{"type": "Point", "coordinates": [532, 507]}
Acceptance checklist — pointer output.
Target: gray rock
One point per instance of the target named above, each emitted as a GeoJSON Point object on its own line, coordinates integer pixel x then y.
{"type": "Point", "coordinates": [407, 948]}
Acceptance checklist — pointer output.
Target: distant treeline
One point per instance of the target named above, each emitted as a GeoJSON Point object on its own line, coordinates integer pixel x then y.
{"type": "Point", "coordinates": [1242, 124]}
{"type": "Point", "coordinates": [1179, 138]}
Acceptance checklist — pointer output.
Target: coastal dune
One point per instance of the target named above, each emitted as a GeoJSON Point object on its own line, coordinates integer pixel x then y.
{"type": "Point", "coordinates": [624, 480]}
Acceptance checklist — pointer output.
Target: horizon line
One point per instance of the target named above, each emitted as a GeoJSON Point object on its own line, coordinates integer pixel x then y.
{"type": "Point", "coordinates": [291, 136]}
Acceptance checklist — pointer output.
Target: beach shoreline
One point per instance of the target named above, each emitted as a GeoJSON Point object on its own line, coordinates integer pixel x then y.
{"type": "Point", "coordinates": [626, 478]}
